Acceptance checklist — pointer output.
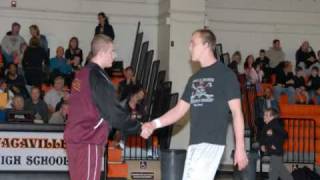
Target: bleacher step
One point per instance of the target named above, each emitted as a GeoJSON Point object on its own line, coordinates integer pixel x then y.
{"type": "Point", "coordinates": [114, 155]}
{"type": "Point", "coordinates": [118, 170]}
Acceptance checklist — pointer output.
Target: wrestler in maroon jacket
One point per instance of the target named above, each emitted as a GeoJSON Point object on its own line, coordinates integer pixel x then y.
{"type": "Point", "coordinates": [93, 110]}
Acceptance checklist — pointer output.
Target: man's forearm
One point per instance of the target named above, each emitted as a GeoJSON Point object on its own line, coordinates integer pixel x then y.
{"type": "Point", "coordinates": [169, 118]}
{"type": "Point", "coordinates": [173, 115]}
{"type": "Point", "coordinates": [238, 125]}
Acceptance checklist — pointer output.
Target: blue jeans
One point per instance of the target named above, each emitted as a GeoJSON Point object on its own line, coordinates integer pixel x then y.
{"type": "Point", "coordinates": [278, 90]}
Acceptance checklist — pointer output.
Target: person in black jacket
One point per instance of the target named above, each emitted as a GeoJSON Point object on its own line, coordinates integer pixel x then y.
{"type": "Point", "coordinates": [104, 27]}
{"type": "Point", "coordinates": [314, 81]}
{"type": "Point", "coordinates": [305, 55]}
{"type": "Point", "coordinates": [74, 54]}
{"type": "Point", "coordinates": [126, 85]}
{"type": "Point", "coordinates": [285, 83]}
{"type": "Point", "coordinates": [33, 62]}
{"type": "Point", "coordinates": [300, 86]}
{"type": "Point", "coordinates": [235, 61]}
{"type": "Point", "coordinates": [264, 63]}
{"type": "Point", "coordinates": [16, 82]}
{"type": "Point", "coordinates": [272, 139]}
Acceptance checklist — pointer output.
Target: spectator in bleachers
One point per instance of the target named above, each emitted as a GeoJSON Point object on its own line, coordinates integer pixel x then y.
{"type": "Point", "coordinates": [315, 64]}
{"type": "Point", "coordinates": [285, 83]}
{"type": "Point", "coordinates": [60, 117]}
{"type": "Point", "coordinates": [305, 56]}
{"type": "Point", "coordinates": [263, 59]}
{"type": "Point", "coordinates": [300, 86]}
{"type": "Point", "coordinates": [37, 105]}
{"type": "Point", "coordinates": [260, 73]}
{"type": "Point", "coordinates": [8, 96]}
{"type": "Point", "coordinates": [270, 101]}
{"type": "Point", "coordinates": [275, 54]}
{"type": "Point", "coordinates": [11, 43]}
{"type": "Point", "coordinates": [18, 112]}
{"type": "Point", "coordinates": [33, 61]}
{"type": "Point", "coordinates": [17, 103]}
{"type": "Point", "coordinates": [136, 102]}
{"type": "Point", "coordinates": [54, 95]}
{"type": "Point", "coordinates": [74, 54]}
{"type": "Point", "coordinates": [35, 32]}
{"type": "Point", "coordinates": [16, 82]}
{"type": "Point", "coordinates": [104, 27]}
{"type": "Point", "coordinates": [251, 74]}
{"type": "Point", "coordinates": [262, 103]}
{"type": "Point", "coordinates": [64, 99]}
{"type": "Point", "coordinates": [313, 82]}
{"type": "Point", "coordinates": [235, 61]}
{"type": "Point", "coordinates": [59, 64]}
{"type": "Point", "coordinates": [126, 85]}
{"type": "Point", "coordinates": [264, 62]}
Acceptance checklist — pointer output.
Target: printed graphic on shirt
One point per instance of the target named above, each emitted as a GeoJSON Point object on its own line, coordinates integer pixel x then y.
{"type": "Point", "coordinates": [201, 91]}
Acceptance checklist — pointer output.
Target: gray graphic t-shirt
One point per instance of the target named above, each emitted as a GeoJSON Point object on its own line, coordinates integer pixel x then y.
{"type": "Point", "coordinates": [208, 92]}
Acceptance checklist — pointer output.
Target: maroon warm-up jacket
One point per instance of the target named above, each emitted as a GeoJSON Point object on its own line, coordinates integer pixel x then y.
{"type": "Point", "coordinates": [95, 109]}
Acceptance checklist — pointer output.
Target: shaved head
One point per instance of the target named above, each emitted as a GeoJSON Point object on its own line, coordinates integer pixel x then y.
{"type": "Point", "coordinates": [99, 43]}
{"type": "Point", "coordinates": [102, 51]}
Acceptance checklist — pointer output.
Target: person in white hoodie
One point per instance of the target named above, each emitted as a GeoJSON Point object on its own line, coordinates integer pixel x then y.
{"type": "Point", "coordinates": [11, 43]}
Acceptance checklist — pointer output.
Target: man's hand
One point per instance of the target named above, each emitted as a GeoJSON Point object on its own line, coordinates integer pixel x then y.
{"type": "Point", "coordinates": [76, 85]}
{"type": "Point", "coordinates": [273, 147]}
{"type": "Point", "coordinates": [263, 148]}
{"type": "Point", "coordinates": [147, 129]}
{"type": "Point", "coordinates": [240, 159]}
{"type": "Point", "coordinates": [269, 132]}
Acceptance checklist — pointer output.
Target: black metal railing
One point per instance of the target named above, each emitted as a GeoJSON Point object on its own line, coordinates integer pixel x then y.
{"type": "Point", "coordinates": [137, 148]}
{"type": "Point", "coordinates": [301, 143]}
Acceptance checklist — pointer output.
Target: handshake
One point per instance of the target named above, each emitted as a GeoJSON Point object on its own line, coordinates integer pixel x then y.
{"type": "Point", "coordinates": [148, 128]}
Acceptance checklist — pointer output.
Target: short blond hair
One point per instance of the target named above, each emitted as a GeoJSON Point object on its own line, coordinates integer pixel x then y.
{"type": "Point", "coordinates": [99, 42]}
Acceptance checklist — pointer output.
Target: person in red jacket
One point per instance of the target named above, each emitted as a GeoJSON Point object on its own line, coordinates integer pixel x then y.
{"type": "Point", "coordinates": [94, 109]}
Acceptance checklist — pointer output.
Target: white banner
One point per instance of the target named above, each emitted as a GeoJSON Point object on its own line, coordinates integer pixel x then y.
{"type": "Point", "coordinates": [32, 151]}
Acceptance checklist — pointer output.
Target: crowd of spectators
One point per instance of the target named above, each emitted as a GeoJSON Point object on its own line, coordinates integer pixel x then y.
{"type": "Point", "coordinates": [299, 79]}
{"type": "Point", "coordinates": [35, 85]}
